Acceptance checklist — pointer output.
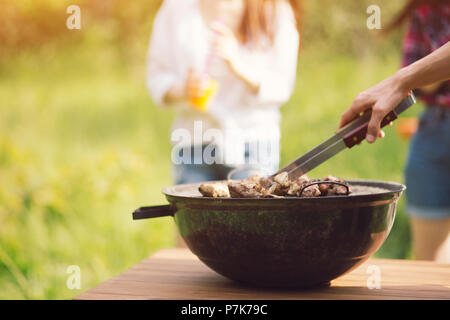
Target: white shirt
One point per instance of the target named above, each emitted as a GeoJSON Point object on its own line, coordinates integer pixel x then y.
{"type": "Point", "coordinates": [181, 40]}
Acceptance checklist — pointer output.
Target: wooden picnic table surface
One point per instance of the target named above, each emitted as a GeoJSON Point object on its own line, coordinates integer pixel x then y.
{"type": "Point", "coordinates": [179, 274]}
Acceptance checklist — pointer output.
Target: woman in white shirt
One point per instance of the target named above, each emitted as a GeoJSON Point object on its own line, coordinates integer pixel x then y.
{"type": "Point", "coordinates": [249, 50]}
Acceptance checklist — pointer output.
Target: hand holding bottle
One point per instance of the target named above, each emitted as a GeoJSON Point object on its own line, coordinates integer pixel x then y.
{"type": "Point", "coordinates": [200, 88]}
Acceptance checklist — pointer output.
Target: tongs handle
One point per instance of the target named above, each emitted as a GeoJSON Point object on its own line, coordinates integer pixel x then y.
{"type": "Point", "coordinates": [358, 134]}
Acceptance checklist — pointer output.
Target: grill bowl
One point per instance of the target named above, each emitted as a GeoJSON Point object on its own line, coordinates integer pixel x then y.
{"type": "Point", "coordinates": [290, 242]}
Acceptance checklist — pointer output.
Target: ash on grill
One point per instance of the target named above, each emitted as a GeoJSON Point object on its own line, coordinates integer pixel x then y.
{"type": "Point", "coordinates": [261, 187]}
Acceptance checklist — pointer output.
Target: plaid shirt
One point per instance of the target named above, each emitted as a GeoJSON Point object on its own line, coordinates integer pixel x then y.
{"type": "Point", "coordinates": [429, 29]}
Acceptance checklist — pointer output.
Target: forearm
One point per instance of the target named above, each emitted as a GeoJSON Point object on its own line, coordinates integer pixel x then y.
{"type": "Point", "coordinates": [431, 69]}
{"type": "Point", "coordinates": [431, 88]}
{"type": "Point", "coordinates": [386, 95]}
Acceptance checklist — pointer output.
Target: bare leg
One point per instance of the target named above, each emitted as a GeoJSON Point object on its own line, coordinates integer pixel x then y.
{"type": "Point", "coordinates": [431, 239]}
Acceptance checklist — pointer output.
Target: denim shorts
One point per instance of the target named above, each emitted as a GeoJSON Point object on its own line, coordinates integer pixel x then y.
{"type": "Point", "coordinates": [427, 174]}
{"type": "Point", "coordinates": [191, 172]}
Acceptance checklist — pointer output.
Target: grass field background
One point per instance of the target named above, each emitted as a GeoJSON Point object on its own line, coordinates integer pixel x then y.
{"type": "Point", "coordinates": [82, 146]}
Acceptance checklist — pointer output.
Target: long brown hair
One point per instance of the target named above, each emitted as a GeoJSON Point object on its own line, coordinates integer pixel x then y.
{"type": "Point", "coordinates": [259, 17]}
{"type": "Point", "coordinates": [408, 9]}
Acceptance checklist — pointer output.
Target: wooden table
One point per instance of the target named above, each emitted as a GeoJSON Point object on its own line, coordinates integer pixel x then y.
{"type": "Point", "coordinates": [178, 274]}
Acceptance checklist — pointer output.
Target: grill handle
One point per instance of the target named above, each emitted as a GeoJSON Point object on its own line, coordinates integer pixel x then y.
{"type": "Point", "coordinates": [153, 212]}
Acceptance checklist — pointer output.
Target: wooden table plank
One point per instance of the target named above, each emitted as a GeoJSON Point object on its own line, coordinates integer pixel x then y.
{"type": "Point", "coordinates": [178, 274]}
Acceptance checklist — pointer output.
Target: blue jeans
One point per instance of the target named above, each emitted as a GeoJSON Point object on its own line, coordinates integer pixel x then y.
{"type": "Point", "coordinates": [427, 174]}
{"type": "Point", "coordinates": [191, 173]}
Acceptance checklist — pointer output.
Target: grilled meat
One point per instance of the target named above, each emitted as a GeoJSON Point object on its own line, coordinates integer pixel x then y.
{"type": "Point", "coordinates": [332, 189]}
{"type": "Point", "coordinates": [261, 187]}
{"type": "Point", "coordinates": [247, 189]}
{"type": "Point", "coordinates": [214, 190]}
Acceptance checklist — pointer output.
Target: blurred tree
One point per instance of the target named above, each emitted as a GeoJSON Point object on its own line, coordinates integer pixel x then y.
{"type": "Point", "coordinates": [340, 25]}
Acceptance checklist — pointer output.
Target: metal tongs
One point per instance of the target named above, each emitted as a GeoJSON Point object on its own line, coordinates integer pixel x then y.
{"type": "Point", "coordinates": [347, 137]}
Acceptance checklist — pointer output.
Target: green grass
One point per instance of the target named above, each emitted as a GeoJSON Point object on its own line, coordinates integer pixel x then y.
{"type": "Point", "coordinates": [81, 146]}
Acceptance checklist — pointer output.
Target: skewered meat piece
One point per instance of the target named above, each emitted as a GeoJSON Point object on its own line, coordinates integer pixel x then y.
{"type": "Point", "coordinates": [247, 189]}
{"type": "Point", "coordinates": [285, 187]}
{"type": "Point", "coordinates": [298, 184]}
{"type": "Point", "coordinates": [333, 189]}
{"type": "Point", "coordinates": [263, 181]}
{"type": "Point", "coordinates": [283, 180]}
{"type": "Point", "coordinates": [311, 191]}
{"type": "Point", "coordinates": [281, 184]}
{"type": "Point", "coordinates": [214, 190]}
